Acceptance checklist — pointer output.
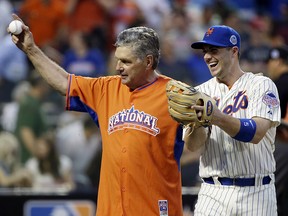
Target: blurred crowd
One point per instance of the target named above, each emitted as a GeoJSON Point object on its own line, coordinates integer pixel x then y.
{"type": "Point", "coordinates": [62, 150]}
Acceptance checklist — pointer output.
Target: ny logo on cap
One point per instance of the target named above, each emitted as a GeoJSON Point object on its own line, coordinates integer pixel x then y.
{"type": "Point", "coordinates": [209, 31]}
{"type": "Point", "coordinates": [233, 39]}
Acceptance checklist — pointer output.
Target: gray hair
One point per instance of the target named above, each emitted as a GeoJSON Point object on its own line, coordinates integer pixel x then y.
{"type": "Point", "coordinates": [143, 40]}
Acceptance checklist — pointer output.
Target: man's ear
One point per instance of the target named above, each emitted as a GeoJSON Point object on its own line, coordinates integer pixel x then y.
{"type": "Point", "coordinates": [149, 61]}
{"type": "Point", "coordinates": [235, 49]}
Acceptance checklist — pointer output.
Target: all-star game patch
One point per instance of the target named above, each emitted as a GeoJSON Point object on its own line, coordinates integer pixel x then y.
{"type": "Point", "coordinates": [163, 207]}
{"type": "Point", "coordinates": [270, 99]}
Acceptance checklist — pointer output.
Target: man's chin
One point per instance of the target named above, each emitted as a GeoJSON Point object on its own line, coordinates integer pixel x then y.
{"type": "Point", "coordinates": [215, 73]}
{"type": "Point", "coordinates": [124, 81]}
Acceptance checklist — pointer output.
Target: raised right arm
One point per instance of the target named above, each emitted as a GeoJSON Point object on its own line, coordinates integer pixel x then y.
{"type": "Point", "coordinates": [54, 75]}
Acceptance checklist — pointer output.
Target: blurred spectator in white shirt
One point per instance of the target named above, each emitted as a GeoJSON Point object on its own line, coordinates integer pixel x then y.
{"type": "Point", "coordinates": [50, 170]}
{"type": "Point", "coordinates": [10, 109]}
{"type": "Point", "coordinates": [78, 137]}
{"type": "Point", "coordinates": [155, 12]}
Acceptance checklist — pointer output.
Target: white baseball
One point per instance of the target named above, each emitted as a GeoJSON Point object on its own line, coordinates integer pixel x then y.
{"type": "Point", "coordinates": [15, 27]}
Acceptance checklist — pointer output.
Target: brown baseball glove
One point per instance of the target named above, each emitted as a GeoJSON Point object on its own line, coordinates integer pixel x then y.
{"type": "Point", "coordinates": [180, 99]}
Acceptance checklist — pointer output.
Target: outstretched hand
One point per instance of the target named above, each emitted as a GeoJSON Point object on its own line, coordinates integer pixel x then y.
{"type": "Point", "coordinates": [24, 40]}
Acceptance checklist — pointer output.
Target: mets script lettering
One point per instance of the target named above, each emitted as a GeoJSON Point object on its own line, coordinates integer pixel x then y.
{"type": "Point", "coordinates": [240, 102]}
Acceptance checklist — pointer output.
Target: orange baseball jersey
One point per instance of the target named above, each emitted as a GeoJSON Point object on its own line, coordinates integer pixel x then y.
{"type": "Point", "coordinates": [142, 145]}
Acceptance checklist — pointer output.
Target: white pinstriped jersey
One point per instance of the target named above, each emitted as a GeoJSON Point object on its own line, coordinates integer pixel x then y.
{"type": "Point", "coordinates": [250, 96]}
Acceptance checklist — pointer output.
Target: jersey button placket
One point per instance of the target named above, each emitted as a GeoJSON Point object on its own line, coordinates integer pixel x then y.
{"type": "Point", "coordinates": [123, 174]}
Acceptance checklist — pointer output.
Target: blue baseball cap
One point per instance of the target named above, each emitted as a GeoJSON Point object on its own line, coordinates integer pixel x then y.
{"type": "Point", "coordinates": [220, 36]}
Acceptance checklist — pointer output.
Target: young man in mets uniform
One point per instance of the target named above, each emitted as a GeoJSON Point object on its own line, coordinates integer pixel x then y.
{"type": "Point", "coordinates": [142, 144]}
{"type": "Point", "coordinates": [236, 164]}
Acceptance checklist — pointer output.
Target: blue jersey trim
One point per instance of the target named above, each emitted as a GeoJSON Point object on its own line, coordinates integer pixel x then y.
{"type": "Point", "coordinates": [77, 105]}
{"type": "Point", "coordinates": [179, 144]}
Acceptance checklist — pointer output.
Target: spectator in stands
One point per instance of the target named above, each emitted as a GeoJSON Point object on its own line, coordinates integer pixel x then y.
{"type": "Point", "coordinates": [70, 133]}
{"type": "Point", "coordinates": [13, 68]}
{"type": "Point", "coordinates": [256, 54]}
{"type": "Point", "coordinates": [46, 18]}
{"type": "Point", "coordinates": [10, 109]}
{"type": "Point", "coordinates": [50, 171]}
{"type": "Point", "coordinates": [78, 137]}
{"type": "Point", "coordinates": [169, 64]}
{"type": "Point", "coordinates": [82, 59]}
{"type": "Point", "coordinates": [48, 21]}
{"type": "Point", "coordinates": [178, 30]}
{"type": "Point", "coordinates": [6, 9]}
{"type": "Point", "coordinates": [31, 122]}
{"type": "Point", "coordinates": [11, 173]}
{"type": "Point", "coordinates": [280, 24]}
{"type": "Point", "coordinates": [120, 15]}
{"type": "Point", "coordinates": [278, 71]}
{"type": "Point", "coordinates": [154, 12]}
{"type": "Point", "coordinates": [89, 155]}
{"type": "Point", "coordinates": [89, 17]}
{"type": "Point", "coordinates": [85, 15]}
{"type": "Point", "coordinates": [13, 64]}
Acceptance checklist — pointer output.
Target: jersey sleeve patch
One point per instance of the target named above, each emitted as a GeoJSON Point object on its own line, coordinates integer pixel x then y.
{"type": "Point", "coordinates": [270, 99]}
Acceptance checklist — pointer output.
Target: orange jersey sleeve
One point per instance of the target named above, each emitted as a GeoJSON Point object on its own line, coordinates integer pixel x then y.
{"type": "Point", "coordinates": [142, 145]}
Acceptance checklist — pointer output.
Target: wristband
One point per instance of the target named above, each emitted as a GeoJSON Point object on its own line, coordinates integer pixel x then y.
{"type": "Point", "coordinates": [247, 130]}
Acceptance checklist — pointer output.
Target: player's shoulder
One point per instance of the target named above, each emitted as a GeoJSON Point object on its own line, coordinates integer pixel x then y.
{"type": "Point", "coordinates": [100, 83]}
{"type": "Point", "coordinates": [164, 78]}
{"type": "Point", "coordinates": [256, 78]}
{"type": "Point", "coordinates": [102, 79]}
{"type": "Point", "coordinates": [114, 78]}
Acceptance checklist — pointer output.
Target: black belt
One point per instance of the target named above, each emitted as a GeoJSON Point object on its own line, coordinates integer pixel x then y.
{"type": "Point", "coordinates": [242, 182]}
